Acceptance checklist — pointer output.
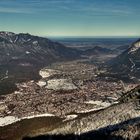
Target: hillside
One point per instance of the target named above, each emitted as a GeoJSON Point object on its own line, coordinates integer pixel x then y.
{"type": "Point", "coordinates": [97, 51]}
{"type": "Point", "coordinates": [23, 55]}
{"type": "Point", "coordinates": [128, 62]}
{"type": "Point", "coordinates": [119, 121]}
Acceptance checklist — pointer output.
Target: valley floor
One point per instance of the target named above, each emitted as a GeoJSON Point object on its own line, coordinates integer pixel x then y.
{"type": "Point", "coordinates": [67, 91]}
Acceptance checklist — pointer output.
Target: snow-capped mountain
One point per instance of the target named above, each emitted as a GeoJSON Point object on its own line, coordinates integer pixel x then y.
{"type": "Point", "coordinates": [129, 61]}
{"type": "Point", "coordinates": [22, 55]}
{"type": "Point", "coordinates": [21, 46]}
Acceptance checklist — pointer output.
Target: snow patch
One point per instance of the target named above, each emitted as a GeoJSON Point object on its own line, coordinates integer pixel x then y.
{"type": "Point", "coordinates": [35, 42]}
{"type": "Point", "coordinates": [135, 47]}
{"type": "Point", "coordinates": [133, 64]}
{"type": "Point", "coordinates": [71, 117]}
{"type": "Point", "coordinates": [60, 84]}
{"type": "Point", "coordinates": [11, 40]}
{"type": "Point", "coordinates": [27, 52]}
{"type": "Point", "coordinates": [28, 39]}
{"type": "Point", "coordinates": [41, 83]}
{"type": "Point", "coordinates": [90, 110]}
{"type": "Point", "coordinates": [8, 120]}
{"type": "Point", "coordinates": [6, 76]}
{"type": "Point", "coordinates": [99, 103]}
{"type": "Point", "coordinates": [46, 73]}
{"type": "Point", "coordinates": [16, 39]}
{"type": "Point", "coordinates": [36, 116]}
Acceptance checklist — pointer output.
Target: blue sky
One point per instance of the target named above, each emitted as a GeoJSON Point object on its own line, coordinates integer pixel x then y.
{"type": "Point", "coordinates": [71, 17]}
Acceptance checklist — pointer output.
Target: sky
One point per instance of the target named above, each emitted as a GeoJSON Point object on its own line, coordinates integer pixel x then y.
{"type": "Point", "coordinates": [71, 17]}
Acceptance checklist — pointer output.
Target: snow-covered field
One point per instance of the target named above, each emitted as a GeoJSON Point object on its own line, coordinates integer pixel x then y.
{"type": "Point", "coordinates": [98, 105]}
{"type": "Point", "coordinates": [11, 119]}
{"type": "Point", "coordinates": [8, 120]}
{"type": "Point", "coordinates": [60, 84]}
{"type": "Point", "coordinates": [71, 117]}
{"type": "Point", "coordinates": [45, 73]}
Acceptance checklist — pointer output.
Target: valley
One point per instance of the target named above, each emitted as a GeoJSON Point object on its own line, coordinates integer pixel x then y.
{"type": "Point", "coordinates": [48, 89]}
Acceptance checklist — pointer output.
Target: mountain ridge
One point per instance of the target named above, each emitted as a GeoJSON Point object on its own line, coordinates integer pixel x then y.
{"type": "Point", "coordinates": [128, 62]}
{"type": "Point", "coordinates": [97, 50]}
{"type": "Point", "coordinates": [23, 55]}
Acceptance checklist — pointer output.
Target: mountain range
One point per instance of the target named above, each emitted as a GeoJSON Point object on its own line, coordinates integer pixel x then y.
{"type": "Point", "coordinates": [23, 55]}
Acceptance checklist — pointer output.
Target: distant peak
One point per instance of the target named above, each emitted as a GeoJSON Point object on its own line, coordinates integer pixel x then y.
{"type": "Point", "coordinates": [135, 47]}
{"type": "Point", "coordinates": [137, 43]}
{"type": "Point", "coordinates": [25, 34]}
{"type": "Point", "coordinates": [6, 33]}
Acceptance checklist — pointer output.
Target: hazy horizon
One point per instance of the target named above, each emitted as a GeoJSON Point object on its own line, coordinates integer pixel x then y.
{"type": "Point", "coordinates": [67, 36]}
